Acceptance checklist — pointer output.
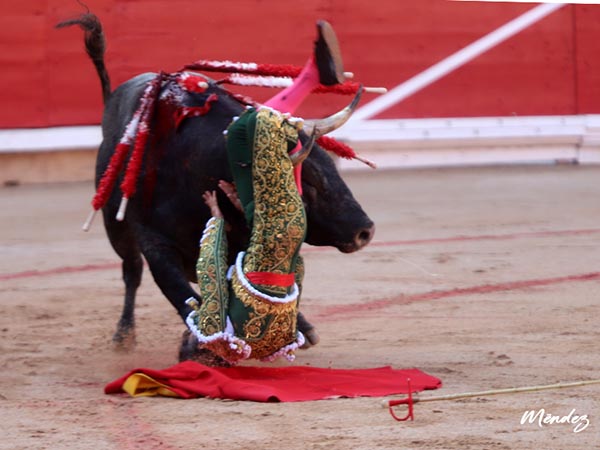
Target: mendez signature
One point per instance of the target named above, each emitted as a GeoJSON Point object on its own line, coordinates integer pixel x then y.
{"type": "Point", "coordinates": [542, 418]}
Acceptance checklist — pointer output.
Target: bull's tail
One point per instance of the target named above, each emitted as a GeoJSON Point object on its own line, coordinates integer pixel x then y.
{"type": "Point", "coordinates": [95, 46]}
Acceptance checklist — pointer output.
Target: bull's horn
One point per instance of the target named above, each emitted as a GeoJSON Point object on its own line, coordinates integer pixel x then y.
{"type": "Point", "coordinates": [327, 125]}
{"type": "Point", "coordinates": [303, 153]}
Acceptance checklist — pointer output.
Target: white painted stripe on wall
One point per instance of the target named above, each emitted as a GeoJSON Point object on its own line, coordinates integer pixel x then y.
{"type": "Point", "coordinates": [453, 62]}
{"type": "Point", "coordinates": [50, 139]}
{"type": "Point", "coordinates": [390, 130]}
{"type": "Point", "coordinates": [398, 142]}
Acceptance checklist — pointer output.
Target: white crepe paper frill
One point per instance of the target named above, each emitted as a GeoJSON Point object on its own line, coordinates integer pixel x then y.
{"type": "Point", "coordinates": [288, 351]}
{"type": "Point", "coordinates": [238, 346]}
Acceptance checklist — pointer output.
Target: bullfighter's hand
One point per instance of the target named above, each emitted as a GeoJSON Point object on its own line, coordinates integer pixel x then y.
{"type": "Point", "coordinates": [210, 198]}
{"type": "Point", "coordinates": [231, 193]}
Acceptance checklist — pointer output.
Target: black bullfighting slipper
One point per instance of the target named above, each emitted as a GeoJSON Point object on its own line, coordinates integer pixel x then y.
{"type": "Point", "coordinates": [328, 56]}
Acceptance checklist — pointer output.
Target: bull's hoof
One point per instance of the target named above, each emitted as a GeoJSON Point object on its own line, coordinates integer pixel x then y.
{"type": "Point", "coordinates": [124, 340]}
{"type": "Point", "coordinates": [311, 338]}
{"type": "Point", "coordinates": [308, 330]}
{"type": "Point", "coordinates": [189, 351]}
{"type": "Point", "coordinates": [188, 346]}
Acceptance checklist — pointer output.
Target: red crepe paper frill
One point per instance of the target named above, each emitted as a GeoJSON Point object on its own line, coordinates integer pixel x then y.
{"type": "Point", "coordinates": [192, 83]}
{"type": "Point", "coordinates": [276, 70]}
{"type": "Point", "coordinates": [194, 111]}
{"type": "Point", "coordinates": [268, 70]}
{"type": "Point", "coordinates": [345, 88]}
{"type": "Point", "coordinates": [111, 173]}
{"type": "Point", "coordinates": [135, 162]}
{"type": "Point", "coordinates": [340, 149]}
{"type": "Point", "coordinates": [137, 130]}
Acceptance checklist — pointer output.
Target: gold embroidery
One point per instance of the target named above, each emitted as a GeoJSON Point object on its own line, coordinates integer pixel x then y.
{"type": "Point", "coordinates": [211, 269]}
{"type": "Point", "coordinates": [270, 326]}
{"type": "Point", "coordinates": [279, 227]}
{"type": "Point", "coordinates": [279, 217]}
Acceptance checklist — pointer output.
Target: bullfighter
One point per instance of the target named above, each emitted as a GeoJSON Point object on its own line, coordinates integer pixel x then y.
{"type": "Point", "coordinates": [249, 310]}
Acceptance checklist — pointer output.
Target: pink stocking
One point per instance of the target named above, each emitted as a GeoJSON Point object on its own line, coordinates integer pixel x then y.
{"type": "Point", "coordinates": [291, 97]}
{"type": "Point", "coordinates": [288, 100]}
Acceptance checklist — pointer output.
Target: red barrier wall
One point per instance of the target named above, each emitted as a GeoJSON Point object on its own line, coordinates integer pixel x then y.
{"type": "Point", "coordinates": [549, 68]}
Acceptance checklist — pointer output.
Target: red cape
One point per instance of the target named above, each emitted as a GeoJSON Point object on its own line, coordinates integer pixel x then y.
{"type": "Point", "coordinates": [263, 384]}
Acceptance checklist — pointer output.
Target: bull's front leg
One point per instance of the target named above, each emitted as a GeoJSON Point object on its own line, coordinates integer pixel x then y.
{"type": "Point", "coordinates": [304, 326]}
{"type": "Point", "coordinates": [308, 330]}
{"type": "Point", "coordinates": [167, 268]}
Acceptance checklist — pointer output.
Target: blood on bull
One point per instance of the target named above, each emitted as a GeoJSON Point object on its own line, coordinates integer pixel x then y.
{"type": "Point", "coordinates": [163, 141]}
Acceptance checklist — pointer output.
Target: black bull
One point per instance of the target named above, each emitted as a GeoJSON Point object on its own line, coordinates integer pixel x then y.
{"type": "Point", "coordinates": [164, 220]}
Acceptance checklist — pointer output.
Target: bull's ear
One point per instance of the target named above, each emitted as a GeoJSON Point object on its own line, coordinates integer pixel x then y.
{"type": "Point", "coordinates": [331, 123]}
{"type": "Point", "coordinates": [303, 153]}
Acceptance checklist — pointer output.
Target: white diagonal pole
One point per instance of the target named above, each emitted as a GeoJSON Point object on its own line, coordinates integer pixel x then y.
{"type": "Point", "coordinates": [568, 2]}
{"type": "Point", "coordinates": [453, 61]}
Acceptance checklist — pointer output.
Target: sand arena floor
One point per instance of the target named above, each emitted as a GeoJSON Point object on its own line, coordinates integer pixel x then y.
{"type": "Point", "coordinates": [487, 278]}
